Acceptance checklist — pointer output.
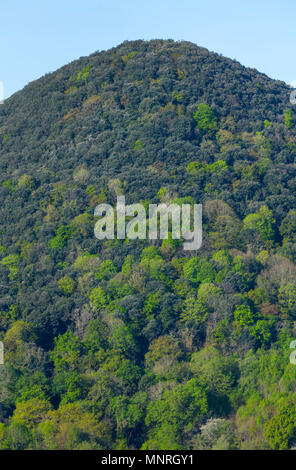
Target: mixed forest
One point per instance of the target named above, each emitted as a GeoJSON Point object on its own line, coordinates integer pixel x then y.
{"type": "Point", "coordinates": [138, 344]}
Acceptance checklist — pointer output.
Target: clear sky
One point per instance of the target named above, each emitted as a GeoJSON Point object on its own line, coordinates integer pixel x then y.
{"type": "Point", "coordinates": [40, 36]}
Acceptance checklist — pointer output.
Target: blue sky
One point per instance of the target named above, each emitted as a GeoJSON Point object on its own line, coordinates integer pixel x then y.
{"type": "Point", "coordinates": [39, 37]}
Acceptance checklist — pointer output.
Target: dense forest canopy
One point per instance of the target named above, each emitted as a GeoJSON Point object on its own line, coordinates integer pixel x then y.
{"type": "Point", "coordinates": [131, 344]}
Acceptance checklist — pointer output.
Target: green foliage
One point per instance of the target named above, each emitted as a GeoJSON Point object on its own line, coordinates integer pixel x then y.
{"type": "Point", "coordinates": [161, 193]}
{"type": "Point", "coordinates": [67, 351]}
{"type": "Point", "coordinates": [10, 260]}
{"type": "Point", "coordinates": [154, 265]}
{"type": "Point", "coordinates": [197, 168]}
{"type": "Point", "coordinates": [289, 118]}
{"type": "Point", "coordinates": [129, 344]}
{"type": "Point", "coordinates": [82, 224]}
{"type": "Point", "coordinates": [288, 226]}
{"type": "Point", "coordinates": [199, 270]}
{"type": "Point", "coordinates": [152, 302]}
{"type": "Point", "coordinates": [25, 181]}
{"type": "Point", "coordinates": [71, 89]}
{"type": "Point", "coordinates": [19, 332]}
{"type": "Point", "coordinates": [98, 298]}
{"type": "Point", "coordinates": [281, 429]}
{"type": "Point", "coordinates": [194, 310]}
{"type": "Point", "coordinates": [222, 258]}
{"type": "Point", "coordinates": [63, 234]}
{"type": "Point", "coordinates": [208, 290]}
{"type": "Point", "coordinates": [262, 221]}
{"type": "Point", "coordinates": [66, 285]}
{"type": "Point", "coordinates": [176, 413]}
{"type": "Point", "coordinates": [287, 298]}
{"type": "Point", "coordinates": [262, 332]}
{"type": "Point", "coordinates": [205, 118]}
{"type": "Point", "coordinates": [87, 263]}
{"type": "Point", "coordinates": [218, 373]}
{"type": "Point", "coordinates": [106, 270]}
{"type": "Point", "coordinates": [127, 264]}
{"type": "Point", "coordinates": [138, 145]}
{"type": "Point", "coordinates": [128, 56]}
{"type": "Point", "coordinates": [18, 437]}
{"type": "Point", "coordinates": [31, 412]}
{"type": "Point", "coordinates": [130, 413]}
{"type": "Point", "coordinates": [81, 175]}
{"type": "Point", "coordinates": [244, 316]}
{"type": "Point", "coordinates": [71, 426]}
{"type": "Point", "coordinates": [177, 96]}
{"type": "Point", "coordinates": [11, 263]}
{"type": "Point", "coordinates": [122, 340]}
{"type": "Point", "coordinates": [217, 167]}
{"type": "Point", "coordinates": [8, 184]}
{"type": "Point", "coordinates": [82, 74]}
{"type": "Point", "coordinates": [34, 386]}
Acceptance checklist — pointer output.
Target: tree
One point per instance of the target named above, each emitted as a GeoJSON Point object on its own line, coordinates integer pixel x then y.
{"type": "Point", "coordinates": [215, 434]}
{"type": "Point", "coordinates": [66, 285]}
{"type": "Point", "coordinates": [67, 352]}
{"type": "Point", "coordinates": [122, 340]}
{"type": "Point", "coordinates": [194, 311]}
{"type": "Point", "coordinates": [289, 118]}
{"type": "Point", "coordinates": [263, 221]}
{"type": "Point", "coordinates": [106, 270]}
{"type": "Point", "coordinates": [60, 424]}
{"type": "Point", "coordinates": [217, 372]}
{"type": "Point", "coordinates": [262, 331]}
{"type": "Point", "coordinates": [244, 315]}
{"type": "Point", "coordinates": [130, 416]}
{"type": "Point", "coordinates": [287, 298]}
{"type": "Point", "coordinates": [98, 298]}
{"type": "Point", "coordinates": [205, 118]}
{"type": "Point", "coordinates": [288, 226]}
{"type": "Point", "coordinates": [31, 412]}
{"type": "Point", "coordinates": [281, 429]}
{"type": "Point", "coordinates": [176, 413]}
{"type": "Point", "coordinates": [11, 263]}
{"type": "Point", "coordinates": [18, 437]}
{"type": "Point", "coordinates": [164, 359]}
{"type": "Point", "coordinates": [199, 270]}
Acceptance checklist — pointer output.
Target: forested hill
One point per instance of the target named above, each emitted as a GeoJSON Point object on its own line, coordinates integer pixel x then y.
{"type": "Point", "coordinates": [128, 344]}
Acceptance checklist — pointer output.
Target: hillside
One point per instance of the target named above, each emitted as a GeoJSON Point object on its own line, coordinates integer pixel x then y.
{"type": "Point", "coordinates": [125, 343]}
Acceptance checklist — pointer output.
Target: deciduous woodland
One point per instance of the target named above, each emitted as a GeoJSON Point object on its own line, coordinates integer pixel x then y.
{"type": "Point", "coordinates": [138, 344]}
